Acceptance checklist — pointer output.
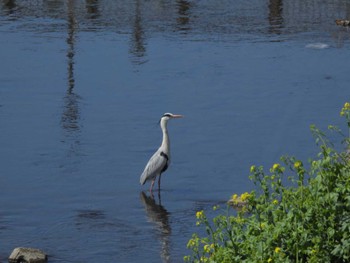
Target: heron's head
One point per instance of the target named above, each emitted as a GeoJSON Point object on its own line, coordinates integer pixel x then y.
{"type": "Point", "coordinates": [167, 116]}
{"type": "Point", "coordinates": [171, 116]}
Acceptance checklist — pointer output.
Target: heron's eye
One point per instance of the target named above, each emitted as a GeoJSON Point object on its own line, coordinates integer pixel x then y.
{"type": "Point", "coordinates": [167, 115]}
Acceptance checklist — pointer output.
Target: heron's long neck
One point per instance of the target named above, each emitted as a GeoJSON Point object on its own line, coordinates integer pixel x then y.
{"type": "Point", "coordinates": [165, 141]}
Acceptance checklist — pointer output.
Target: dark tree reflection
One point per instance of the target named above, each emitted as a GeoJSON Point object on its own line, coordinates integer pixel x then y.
{"type": "Point", "coordinates": [92, 8]}
{"type": "Point", "coordinates": [71, 114]}
{"type": "Point", "coordinates": [10, 6]}
{"type": "Point", "coordinates": [183, 12]}
{"type": "Point", "coordinates": [275, 16]}
{"type": "Point", "coordinates": [159, 216]}
{"type": "Point", "coordinates": [138, 46]}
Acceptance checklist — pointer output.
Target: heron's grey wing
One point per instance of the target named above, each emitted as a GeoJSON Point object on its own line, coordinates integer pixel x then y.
{"type": "Point", "coordinates": [153, 167]}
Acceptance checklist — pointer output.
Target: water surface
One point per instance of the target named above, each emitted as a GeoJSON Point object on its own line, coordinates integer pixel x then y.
{"type": "Point", "coordinates": [83, 85]}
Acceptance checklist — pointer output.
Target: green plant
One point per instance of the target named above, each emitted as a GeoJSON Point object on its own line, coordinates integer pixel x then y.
{"type": "Point", "coordinates": [298, 213]}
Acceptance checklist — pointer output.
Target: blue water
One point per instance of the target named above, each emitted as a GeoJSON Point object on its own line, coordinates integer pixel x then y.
{"type": "Point", "coordinates": [81, 95]}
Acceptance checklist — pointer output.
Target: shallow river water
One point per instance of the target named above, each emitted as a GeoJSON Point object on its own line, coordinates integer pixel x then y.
{"type": "Point", "coordinates": [84, 83]}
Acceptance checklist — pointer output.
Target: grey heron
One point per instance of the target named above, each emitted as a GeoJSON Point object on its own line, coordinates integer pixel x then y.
{"type": "Point", "coordinates": [160, 160]}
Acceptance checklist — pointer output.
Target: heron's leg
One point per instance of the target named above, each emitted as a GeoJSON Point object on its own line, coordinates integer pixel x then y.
{"type": "Point", "coordinates": [150, 189]}
{"type": "Point", "coordinates": [159, 182]}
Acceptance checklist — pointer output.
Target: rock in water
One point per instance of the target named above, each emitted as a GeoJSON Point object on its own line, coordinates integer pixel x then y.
{"type": "Point", "coordinates": [342, 22]}
{"type": "Point", "coordinates": [27, 255]}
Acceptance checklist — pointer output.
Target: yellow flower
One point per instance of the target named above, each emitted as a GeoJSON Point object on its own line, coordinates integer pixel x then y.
{"type": "Point", "coordinates": [275, 202]}
{"type": "Point", "coordinates": [245, 196]}
{"type": "Point", "coordinates": [206, 248]}
{"type": "Point", "coordinates": [252, 168]}
{"type": "Point", "coordinates": [203, 259]}
{"type": "Point", "coordinates": [234, 197]}
{"type": "Point", "coordinates": [345, 109]}
{"type": "Point", "coordinates": [276, 166]}
{"type": "Point", "coordinates": [191, 243]}
{"type": "Point", "coordinates": [262, 225]}
{"type": "Point", "coordinates": [297, 164]}
{"type": "Point", "coordinates": [278, 250]}
{"type": "Point", "coordinates": [269, 260]}
{"type": "Point", "coordinates": [200, 214]}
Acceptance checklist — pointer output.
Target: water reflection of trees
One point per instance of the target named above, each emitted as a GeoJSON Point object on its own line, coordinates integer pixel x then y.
{"type": "Point", "coordinates": [159, 216]}
{"type": "Point", "coordinates": [139, 17]}
{"type": "Point", "coordinates": [138, 45]}
{"type": "Point", "coordinates": [275, 16]}
{"type": "Point", "coordinates": [71, 114]}
{"type": "Point", "coordinates": [92, 8]}
{"type": "Point", "coordinates": [183, 15]}
{"type": "Point", "coordinates": [10, 6]}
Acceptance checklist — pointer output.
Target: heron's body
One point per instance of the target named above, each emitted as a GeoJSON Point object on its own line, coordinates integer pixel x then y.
{"type": "Point", "coordinates": [160, 160]}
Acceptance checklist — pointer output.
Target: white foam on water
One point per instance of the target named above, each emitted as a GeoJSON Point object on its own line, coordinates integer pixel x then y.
{"type": "Point", "coordinates": [317, 46]}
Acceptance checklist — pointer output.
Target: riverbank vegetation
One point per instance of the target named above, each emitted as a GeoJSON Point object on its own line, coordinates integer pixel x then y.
{"type": "Point", "coordinates": [298, 212]}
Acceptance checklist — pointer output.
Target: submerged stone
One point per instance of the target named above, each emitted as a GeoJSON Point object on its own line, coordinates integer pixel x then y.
{"type": "Point", "coordinates": [27, 255]}
{"type": "Point", "coordinates": [342, 22]}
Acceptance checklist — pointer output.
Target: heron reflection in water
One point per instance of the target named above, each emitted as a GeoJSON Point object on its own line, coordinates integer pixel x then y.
{"type": "Point", "coordinates": [159, 216]}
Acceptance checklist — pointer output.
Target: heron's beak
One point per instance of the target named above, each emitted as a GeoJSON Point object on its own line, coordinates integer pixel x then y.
{"type": "Point", "coordinates": [177, 116]}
